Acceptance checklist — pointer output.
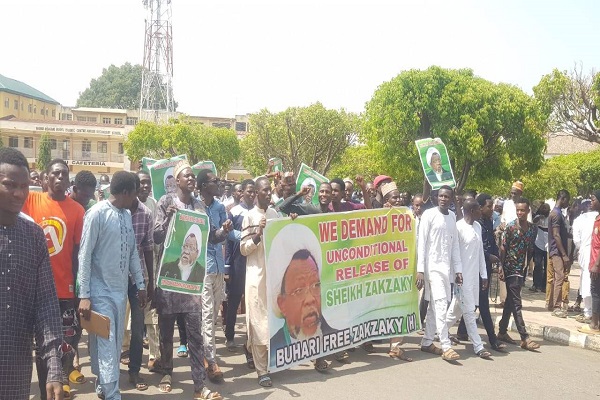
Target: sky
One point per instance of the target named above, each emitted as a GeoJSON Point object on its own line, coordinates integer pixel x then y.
{"type": "Point", "coordinates": [238, 57]}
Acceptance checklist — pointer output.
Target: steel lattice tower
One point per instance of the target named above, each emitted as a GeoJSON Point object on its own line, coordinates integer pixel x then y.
{"type": "Point", "coordinates": [156, 101]}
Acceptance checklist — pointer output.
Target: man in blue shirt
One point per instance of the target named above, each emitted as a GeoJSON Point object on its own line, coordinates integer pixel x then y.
{"type": "Point", "coordinates": [214, 283]}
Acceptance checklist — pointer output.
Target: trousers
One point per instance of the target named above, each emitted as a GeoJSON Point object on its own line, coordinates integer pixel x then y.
{"type": "Point", "coordinates": [212, 295]}
{"type": "Point", "coordinates": [513, 306]}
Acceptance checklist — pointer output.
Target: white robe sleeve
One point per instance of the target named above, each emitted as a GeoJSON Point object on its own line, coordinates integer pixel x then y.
{"type": "Point", "coordinates": [481, 255]}
{"type": "Point", "coordinates": [456, 261]}
{"type": "Point", "coordinates": [422, 241]}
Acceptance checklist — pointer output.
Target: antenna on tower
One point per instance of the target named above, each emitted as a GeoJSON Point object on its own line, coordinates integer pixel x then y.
{"type": "Point", "coordinates": [156, 102]}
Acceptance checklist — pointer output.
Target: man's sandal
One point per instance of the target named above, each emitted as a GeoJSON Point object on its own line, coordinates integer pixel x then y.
{"type": "Point", "coordinates": [321, 365]}
{"type": "Point", "coordinates": [207, 394]}
{"type": "Point", "coordinates": [529, 344]}
{"type": "Point", "coordinates": [138, 382]}
{"type": "Point", "coordinates": [504, 337]}
{"type": "Point", "coordinates": [398, 353]}
{"type": "Point", "coordinates": [66, 392]}
{"type": "Point", "coordinates": [432, 349]}
{"type": "Point", "coordinates": [265, 381]}
{"type": "Point", "coordinates": [498, 346]}
{"type": "Point", "coordinates": [182, 351]}
{"type": "Point", "coordinates": [165, 384]}
{"type": "Point", "coordinates": [450, 355]}
{"type": "Point", "coordinates": [368, 347]}
{"type": "Point", "coordinates": [343, 357]}
{"type": "Point", "coordinates": [587, 329]}
{"type": "Point", "coordinates": [484, 354]}
{"type": "Point", "coordinates": [76, 377]}
{"type": "Point", "coordinates": [125, 357]}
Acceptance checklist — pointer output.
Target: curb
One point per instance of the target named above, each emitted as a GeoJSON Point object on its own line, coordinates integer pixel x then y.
{"type": "Point", "coordinates": [557, 335]}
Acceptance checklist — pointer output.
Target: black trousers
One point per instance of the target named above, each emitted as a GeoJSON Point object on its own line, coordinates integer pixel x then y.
{"type": "Point", "coordinates": [540, 260]}
{"type": "Point", "coordinates": [236, 286]}
{"type": "Point", "coordinates": [513, 306]}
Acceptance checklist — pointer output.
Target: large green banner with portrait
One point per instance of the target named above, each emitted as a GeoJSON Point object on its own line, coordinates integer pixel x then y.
{"type": "Point", "coordinates": [309, 177]}
{"type": "Point", "coordinates": [183, 263]}
{"type": "Point", "coordinates": [161, 175]}
{"type": "Point", "coordinates": [435, 162]}
{"type": "Point", "coordinates": [204, 165]}
{"type": "Point", "coordinates": [337, 280]}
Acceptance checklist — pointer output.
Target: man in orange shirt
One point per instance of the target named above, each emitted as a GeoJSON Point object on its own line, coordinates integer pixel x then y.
{"type": "Point", "coordinates": [61, 218]}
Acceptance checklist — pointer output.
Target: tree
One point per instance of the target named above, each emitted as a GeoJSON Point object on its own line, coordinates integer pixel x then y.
{"type": "Point", "coordinates": [181, 136]}
{"type": "Point", "coordinates": [570, 102]}
{"type": "Point", "coordinates": [490, 130]}
{"type": "Point", "coordinates": [44, 153]}
{"type": "Point", "coordinates": [312, 135]}
{"type": "Point", "coordinates": [117, 87]}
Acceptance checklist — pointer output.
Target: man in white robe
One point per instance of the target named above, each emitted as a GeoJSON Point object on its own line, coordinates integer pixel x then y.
{"type": "Point", "coordinates": [438, 263]}
{"type": "Point", "coordinates": [252, 246]}
{"type": "Point", "coordinates": [466, 296]}
{"type": "Point", "coordinates": [583, 227]}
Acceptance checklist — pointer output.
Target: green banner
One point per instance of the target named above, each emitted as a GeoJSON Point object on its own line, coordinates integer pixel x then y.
{"type": "Point", "coordinates": [204, 165]}
{"type": "Point", "coordinates": [161, 175]}
{"type": "Point", "coordinates": [435, 162]}
{"type": "Point", "coordinates": [277, 164]}
{"type": "Point", "coordinates": [146, 163]}
{"type": "Point", "coordinates": [183, 263]}
{"type": "Point", "coordinates": [309, 177]}
{"type": "Point", "coordinates": [338, 280]}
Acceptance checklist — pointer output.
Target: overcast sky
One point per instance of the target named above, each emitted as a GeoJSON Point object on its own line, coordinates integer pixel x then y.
{"type": "Point", "coordinates": [237, 57]}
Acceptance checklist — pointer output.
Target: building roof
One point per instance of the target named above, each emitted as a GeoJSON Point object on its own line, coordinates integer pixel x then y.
{"type": "Point", "coordinates": [19, 88]}
{"type": "Point", "coordinates": [562, 144]}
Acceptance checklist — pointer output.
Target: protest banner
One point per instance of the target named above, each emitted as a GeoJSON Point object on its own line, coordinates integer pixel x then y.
{"type": "Point", "coordinates": [204, 165]}
{"type": "Point", "coordinates": [338, 280]}
{"type": "Point", "coordinates": [277, 164]}
{"type": "Point", "coordinates": [435, 162]}
{"type": "Point", "coordinates": [183, 263]}
{"type": "Point", "coordinates": [309, 177]}
{"type": "Point", "coordinates": [146, 163]}
{"type": "Point", "coordinates": [161, 175]}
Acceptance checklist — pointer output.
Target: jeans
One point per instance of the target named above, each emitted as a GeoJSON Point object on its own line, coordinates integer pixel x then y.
{"type": "Point", "coordinates": [212, 295]}
{"type": "Point", "coordinates": [540, 260]}
{"type": "Point", "coordinates": [486, 316]}
{"type": "Point", "coordinates": [137, 330]}
{"type": "Point", "coordinates": [513, 306]}
{"type": "Point", "coordinates": [237, 286]}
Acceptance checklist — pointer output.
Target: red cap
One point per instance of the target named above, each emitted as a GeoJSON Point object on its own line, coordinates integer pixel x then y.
{"type": "Point", "coordinates": [377, 181]}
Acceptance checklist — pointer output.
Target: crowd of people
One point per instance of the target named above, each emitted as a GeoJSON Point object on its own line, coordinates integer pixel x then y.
{"type": "Point", "coordinates": [70, 251]}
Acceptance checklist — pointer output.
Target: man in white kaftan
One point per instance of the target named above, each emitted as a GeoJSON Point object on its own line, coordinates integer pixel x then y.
{"type": "Point", "coordinates": [466, 296]}
{"type": "Point", "coordinates": [108, 254]}
{"type": "Point", "coordinates": [252, 246]}
{"type": "Point", "coordinates": [438, 263]}
{"type": "Point", "coordinates": [583, 227]}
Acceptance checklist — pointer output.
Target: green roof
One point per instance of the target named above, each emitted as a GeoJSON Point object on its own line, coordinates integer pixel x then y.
{"type": "Point", "coordinates": [19, 88]}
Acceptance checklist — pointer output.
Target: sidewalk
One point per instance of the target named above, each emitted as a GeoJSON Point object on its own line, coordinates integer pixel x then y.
{"type": "Point", "coordinates": [540, 323]}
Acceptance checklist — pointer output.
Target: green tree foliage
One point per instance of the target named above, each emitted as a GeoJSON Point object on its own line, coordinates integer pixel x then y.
{"type": "Point", "coordinates": [182, 136]}
{"type": "Point", "coordinates": [490, 130]}
{"type": "Point", "coordinates": [313, 135]}
{"type": "Point", "coordinates": [44, 153]}
{"type": "Point", "coordinates": [117, 87]}
{"type": "Point", "coordinates": [570, 102]}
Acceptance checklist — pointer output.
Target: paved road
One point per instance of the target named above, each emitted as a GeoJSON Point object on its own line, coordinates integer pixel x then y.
{"type": "Point", "coordinates": [555, 372]}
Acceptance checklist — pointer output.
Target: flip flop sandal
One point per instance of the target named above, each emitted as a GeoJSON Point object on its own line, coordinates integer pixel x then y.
{"type": "Point", "coordinates": [182, 351]}
{"type": "Point", "coordinates": [368, 347]}
{"type": "Point", "coordinates": [498, 346]}
{"type": "Point", "coordinates": [400, 354]}
{"type": "Point", "coordinates": [321, 365]}
{"type": "Point", "coordinates": [125, 358]}
{"type": "Point", "coordinates": [484, 354]}
{"type": "Point", "coordinates": [588, 330]}
{"type": "Point", "coordinates": [66, 392]}
{"type": "Point", "coordinates": [164, 385]}
{"type": "Point", "coordinates": [76, 377]}
{"type": "Point", "coordinates": [432, 349]}
{"type": "Point", "coordinates": [265, 381]}
{"type": "Point", "coordinates": [342, 357]}
{"type": "Point", "coordinates": [450, 355]}
{"type": "Point", "coordinates": [206, 394]}
{"type": "Point", "coordinates": [138, 382]}
{"type": "Point", "coordinates": [529, 345]}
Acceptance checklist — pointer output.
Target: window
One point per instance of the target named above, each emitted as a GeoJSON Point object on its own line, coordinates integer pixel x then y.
{"type": "Point", "coordinates": [54, 113]}
{"type": "Point", "coordinates": [120, 151]}
{"type": "Point", "coordinates": [16, 104]}
{"type": "Point", "coordinates": [221, 125]}
{"type": "Point", "coordinates": [34, 109]}
{"type": "Point", "coordinates": [102, 147]}
{"type": "Point", "coordinates": [6, 102]}
{"type": "Point", "coordinates": [240, 126]}
{"type": "Point", "coordinates": [30, 108]}
{"type": "Point", "coordinates": [66, 146]}
{"type": "Point", "coordinates": [66, 117]}
{"type": "Point", "coordinates": [118, 121]}
{"type": "Point", "coordinates": [28, 143]}
{"type": "Point", "coordinates": [21, 106]}
{"type": "Point", "coordinates": [92, 119]}
{"type": "Point", "coordinates": [131, 121]}
{"type": "Point", "coordinates": [105, 120]}
{"type": "Point", "coordinates": [42, 111]}
{"type": "Point", "coordinates": [13, 141]}
{"type": "Point", "coordinates": [81, 119]}
{"type": "Point", "coordinates": [86, 146]}
{"type": "Point", "coordinates": [52, 144]}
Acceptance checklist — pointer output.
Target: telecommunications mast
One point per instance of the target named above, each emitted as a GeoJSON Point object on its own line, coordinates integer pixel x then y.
{"type": "Point", "coordinates": [156, 102]}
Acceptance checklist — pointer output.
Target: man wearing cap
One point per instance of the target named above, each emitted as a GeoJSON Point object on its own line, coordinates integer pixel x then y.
{"type": "Point", "coordinates": [170, 305]}
{"type": "Point", "coordinates": [349, 197]}
{"type": "Point", "coordinates": [377, 182]}
{"type": "Point", "coordinates": [437, 173]}
{"type": "Point", "coordinates": [253, 248]}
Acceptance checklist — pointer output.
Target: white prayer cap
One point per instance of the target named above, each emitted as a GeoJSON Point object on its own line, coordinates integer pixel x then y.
{"type": "Point", "coordinates": [195, 230]}
{"type": "Point", "coordinates": [430, 152]}
{"type": "Point", "coordinates": [287, 242]}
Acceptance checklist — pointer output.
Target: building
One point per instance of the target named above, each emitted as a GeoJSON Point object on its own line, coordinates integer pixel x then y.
{"type": "Point", "coordinates": [21, 101]}
{"type": "Point", "coordinates": [563, 144]}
